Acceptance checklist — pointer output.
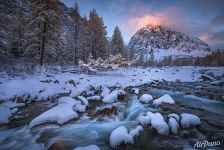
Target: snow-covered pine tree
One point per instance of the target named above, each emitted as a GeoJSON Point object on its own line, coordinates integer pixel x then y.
{"type": "Point", "coordinates": [47, 22]}
{"type": "Point", "coordinates": [117, 42]}
{"type": "Point", "coordinates": [97, 35]}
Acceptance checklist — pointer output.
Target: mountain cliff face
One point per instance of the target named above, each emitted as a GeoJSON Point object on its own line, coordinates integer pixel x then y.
{"type": "Point", "coordinates": [167, 42]}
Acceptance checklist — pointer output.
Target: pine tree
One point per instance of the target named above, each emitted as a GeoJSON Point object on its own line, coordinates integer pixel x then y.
{"type": "Point", "coordinates": [117, 42]}
{"type": "Point", "coordinates": [47, 26]}
{"type": "Point", "coordinates": [97, 35]}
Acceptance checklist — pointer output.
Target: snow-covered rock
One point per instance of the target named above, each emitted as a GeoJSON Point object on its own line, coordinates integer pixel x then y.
{"type": "Point", "coordinates": [60, 114]}
{"type": "Point", "coordinates": [163, 99]}
{"type": "Point", "coordinates": [135, 90]}
{"type": "Point", "coordinates": [112, 97]}
{"type": "Point", "coordinates": [79, 108]}
{"type": "Point", "coordinates": [176, 116]}
{"type": "Point", "coordinates": [120, 135]}
{"type": "Point", "coordinates": [144, 120]}
{"type": "Point", "coordinates": [188, 120]}
{"type": "Point", "coordinates": [105, 91]}
{"type": "Point", "coordinates": [90, 147]}
{"type": "Point", "coordinates": [136, 131]}
{"type": "Point", "coordinates": [146, 98]}
{"type": "Point", "coordinates": [11, 104]}
{"type": "Point", "coordinates": [84, 100]}
{"type": "Point", "coordinates": [94, 98]}
{"type": "Point", "coordinates": [174, 125]}
{"type": "Point", "coordinates": [158, 123]}
{"type": "Point", "coordinates": [5, 114]}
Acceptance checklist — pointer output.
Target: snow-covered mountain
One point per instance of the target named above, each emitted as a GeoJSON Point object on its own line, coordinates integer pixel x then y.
{"type": "Point", "coordinates": [165, 42]}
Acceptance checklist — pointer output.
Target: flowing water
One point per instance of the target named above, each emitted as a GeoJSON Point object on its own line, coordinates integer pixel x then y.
{"type": "Point", "coordinates": [91, 130]}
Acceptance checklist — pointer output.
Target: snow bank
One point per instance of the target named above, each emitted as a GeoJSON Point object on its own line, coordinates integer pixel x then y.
{"type": "Point", "coordinates": [6, 113]}
{"type": "Point", "coordinates": [188, 120]}
{"type": "Point", "coordinates": [59, 114]}
{"type": "Point", "coordinates": [174, 125]}
{"type": "Point", "coordinates": [146, 98]}
{"type": "Point", "coordinates": [136, 131]}
{"type": "Point", "coordinates": [158, 123]}
{"type": "Point", "coordinates": [105, 91]}
{"type": "Point", "coordinates": [120, 135]}
{"type": "Point", "coordinates": [112, 97]}
{"type": "Point", "coordinates": [164, 99]}
{"type": "Point", "coordinates": [90, 147]}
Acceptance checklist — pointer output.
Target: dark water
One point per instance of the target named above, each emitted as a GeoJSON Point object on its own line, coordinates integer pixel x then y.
{"type": "Point", "coordinates": [86, 131]}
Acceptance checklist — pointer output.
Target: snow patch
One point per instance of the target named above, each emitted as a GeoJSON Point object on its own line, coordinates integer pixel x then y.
{"type": "Point", "coordinates": [146, 98]}
{"type": "Point", "coordinates": [188, 120]}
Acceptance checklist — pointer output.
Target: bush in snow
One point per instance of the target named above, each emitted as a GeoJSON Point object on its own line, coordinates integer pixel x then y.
{"type": "Point", "coordinates": [146, 98]}
{"type": "Point", "coordinates": [120, 135]}
{"type": "Point", "coordinates": [163, 99]}
{"type": "Point", "coordinates": [90, 147]}
{"type": "Point", "coordinates": [188, 120]}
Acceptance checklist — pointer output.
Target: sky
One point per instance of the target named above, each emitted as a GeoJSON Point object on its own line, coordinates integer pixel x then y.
{"type": "Point", "coordinates": [198, 18]}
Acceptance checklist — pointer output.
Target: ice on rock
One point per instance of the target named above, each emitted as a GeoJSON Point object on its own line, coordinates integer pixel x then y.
{"type": "Point", "coordinates": [146, 98]}
{"type": "Point", "coordinates": [84, 100]}
{"type": "Point", "coordinates": [112, 97]}
{"type": "Point", "coordinates": [60, 114]}
{"type": "Point", "coordinates": [174, 125]}
{"type": "Point", "coordinates": [94, 98]}
{"type": "Point", "coordinates": [105, 92]}
{"type": "Point", "coordinates": [6, 113]}
{"type": "Point", "coordinates": [164, 99]}
{"type": "Point", "coordinates": [188, 120]}
{"type": "Point", "coordinates": [158, 123]}
{"type": "Point", "coordinates": [144, 120]}
{"type": "Point", "coordinates": [120, 135]}
{"type": "Point", "coordinates": [136, 131]}
{"type": "Point", "coordinates": [90, 147]}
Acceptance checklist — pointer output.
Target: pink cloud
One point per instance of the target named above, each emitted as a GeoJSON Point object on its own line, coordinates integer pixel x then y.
{"type": "Point", "coordinates": [170, 17]}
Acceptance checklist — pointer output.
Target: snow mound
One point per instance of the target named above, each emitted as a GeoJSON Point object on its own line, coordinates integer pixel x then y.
{"type": "Point", "coordinates": [84, 100]}
{"type": "Point", "coordinates": [105, 92]}
{"type": "Point", "coordinates": [94, 98]}
{"type": "Point", "coordinates": [146, 98]}
{"type": "Point", "coordinates": [90, 147]}
{"type": "Point", "coordinates": [188, 120]}
{"type": "Point", "coordinates": [120, 135]}
{"type": "Point", "coordinates": [144, 120]}
{"type": "Point", "coordinates": [6, 113]}
{"type": "Point", "coordinates": [60, 114]}
{"type": "Point", "coordinates": [112, 97]}
{"type": "Point", "coordinates": [174, 125]}
{"type": "Point", "coordinates": [158, 123]}
{"type": "Point", "coordinates": [164, 99]}
{"type": "Point", "coordinates": [136, 131]}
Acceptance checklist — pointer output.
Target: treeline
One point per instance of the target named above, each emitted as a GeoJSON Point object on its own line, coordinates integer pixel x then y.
{"type": "Point", "coordinates": [213, 59]}
{"type": "Point", "coordinates": [46, 31]}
